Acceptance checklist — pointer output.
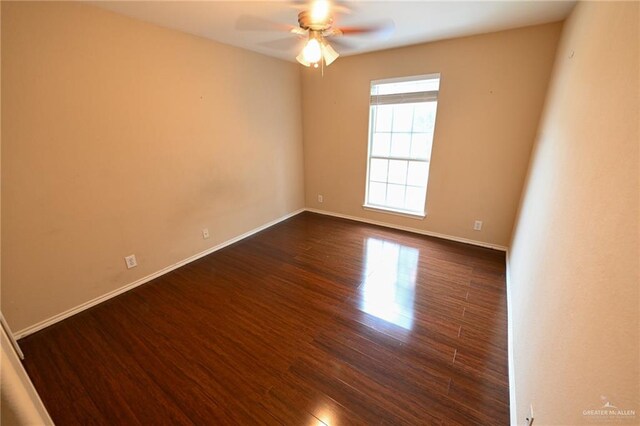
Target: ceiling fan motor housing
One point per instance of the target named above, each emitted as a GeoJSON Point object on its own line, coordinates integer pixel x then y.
{"type": "Point", "coordinates": [307, 23]}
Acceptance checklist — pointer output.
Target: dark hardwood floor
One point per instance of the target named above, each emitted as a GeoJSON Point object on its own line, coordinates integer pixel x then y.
{"type": "Point", "coordinates": [315, 320]}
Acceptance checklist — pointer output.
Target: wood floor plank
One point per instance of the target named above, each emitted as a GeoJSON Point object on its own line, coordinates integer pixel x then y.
{"type": "Point", "coordinates": [61, 386]}
{"type": "Point", "coordinates": [316, 320]}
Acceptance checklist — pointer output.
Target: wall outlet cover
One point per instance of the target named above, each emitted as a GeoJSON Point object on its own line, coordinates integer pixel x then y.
{"type": "Point", "coordinates": [131, 261]}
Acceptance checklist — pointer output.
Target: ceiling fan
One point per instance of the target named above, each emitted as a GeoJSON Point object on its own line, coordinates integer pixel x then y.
{"type": "Point", "coordinates": [315, 27]}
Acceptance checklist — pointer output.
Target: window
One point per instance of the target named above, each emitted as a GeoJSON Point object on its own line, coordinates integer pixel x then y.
{"type": "Point", "coordinates": [401, 124]}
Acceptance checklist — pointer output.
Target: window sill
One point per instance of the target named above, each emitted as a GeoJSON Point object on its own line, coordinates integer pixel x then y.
{"type": "Point", "coordinates": [395, 212]}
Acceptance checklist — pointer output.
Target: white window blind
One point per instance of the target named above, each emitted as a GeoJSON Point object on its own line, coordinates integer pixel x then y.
{"type": "Point", "coordinates": [401, 127]}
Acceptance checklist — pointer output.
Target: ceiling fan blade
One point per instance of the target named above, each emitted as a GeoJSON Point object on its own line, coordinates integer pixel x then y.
{"type": "Point", "coordinates": [341, 7]}
{"type": "Point", "coordinates": [254, 23]}
{"type": "Point", "coordinates": [288, 43]}
{"type": "Point", "coordinates": [341, 44]}
{"type": "Point", "coordinates": [333, 31]}
{"type": "Point", "coordinates": [299, 4]}
{"type": "Point", "coordinates": [381, 29]}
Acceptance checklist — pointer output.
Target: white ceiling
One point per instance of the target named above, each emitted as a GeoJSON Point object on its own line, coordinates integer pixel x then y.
{"type": "Point", "coordinates": [415, 21]}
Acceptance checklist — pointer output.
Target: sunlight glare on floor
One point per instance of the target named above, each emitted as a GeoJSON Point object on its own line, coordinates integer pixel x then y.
{"type": "Point", "coordinates": [388, 291]}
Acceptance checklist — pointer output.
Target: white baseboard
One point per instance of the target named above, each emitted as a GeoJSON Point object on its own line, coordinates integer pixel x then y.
{"type": "Point", "coordinates": [512, 378]}
{"type": "Point", "coordinates": [23, 401]}
{"type": "Point", "coordinates": [409, 229]}
{"type": "Point", "coordinates": [66, 314]}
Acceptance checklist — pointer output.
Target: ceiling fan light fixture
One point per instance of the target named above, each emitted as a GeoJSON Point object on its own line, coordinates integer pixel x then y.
{"type": "Point", "coordinates": [312, 52]}
{"type": "Point", "coordinates": [328, 53]}
{"type": "Point", "coordinates": [300, 58]}
{"type": "Point", "coordinates": [317, 49]}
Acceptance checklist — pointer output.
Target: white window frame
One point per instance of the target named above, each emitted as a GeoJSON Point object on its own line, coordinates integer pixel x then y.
{"type": "Point", "coordinates": [375, 100]}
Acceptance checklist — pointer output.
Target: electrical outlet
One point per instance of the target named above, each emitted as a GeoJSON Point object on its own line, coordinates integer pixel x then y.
{"type": "Point", "coordinates": [131, 261]}
{"type": "Point", "coordinates": [205, 233]}
{"type": "Point", "coordinates": [477, 225]}
{"type": "Point", "coordinates": [320, 198]}
{"type": "Point", "coordinates": [530, 418]}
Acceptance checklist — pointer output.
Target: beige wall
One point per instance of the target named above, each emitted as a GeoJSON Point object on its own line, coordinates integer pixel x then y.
{"type": "Point", "coordinates": [574, 259]}
{"type": "Point", "coordinates": [491, 94]}
{"type": "Point", "coordinates": [122, 137]}
{"type": "Point", "coordinates": [20, 404]}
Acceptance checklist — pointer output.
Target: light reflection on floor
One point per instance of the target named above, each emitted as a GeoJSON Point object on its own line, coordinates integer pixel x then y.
{"type": "Point", "coordinates": [388, 291]}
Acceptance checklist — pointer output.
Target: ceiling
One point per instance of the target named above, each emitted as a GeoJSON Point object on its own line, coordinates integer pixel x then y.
{"type": "Point", "coordinates": [415, 21]}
